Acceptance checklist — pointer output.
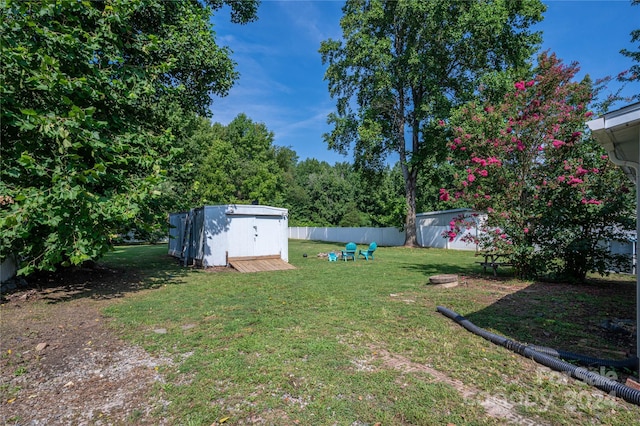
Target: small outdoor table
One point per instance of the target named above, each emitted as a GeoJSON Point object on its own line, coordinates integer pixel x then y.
{"type": "Point", "coordinates": [494, 259]}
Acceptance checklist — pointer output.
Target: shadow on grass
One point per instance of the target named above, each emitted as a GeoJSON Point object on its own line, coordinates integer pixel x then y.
{"type": "Point", "coordinates": [125, 270]}
{"type": "Point", "coordinates": [595, 318]}
{"type": "Point", "coordinates": [433, 269]}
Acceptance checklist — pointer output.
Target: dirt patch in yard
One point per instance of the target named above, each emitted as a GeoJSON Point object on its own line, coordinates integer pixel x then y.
{"type": "Point", "coordinates": [61, 363]}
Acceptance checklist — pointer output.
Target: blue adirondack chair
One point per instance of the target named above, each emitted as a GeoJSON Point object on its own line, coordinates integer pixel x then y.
{"type": "Point", "coordinates": [349, 252]}
{"type": "Point", "coordinates": [369, 252]}
{"type": "Point", "coordinates": [332, 257]}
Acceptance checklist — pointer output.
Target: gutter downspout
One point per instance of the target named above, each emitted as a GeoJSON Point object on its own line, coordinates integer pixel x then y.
{"type": "Point", "coordinates": [607, 140]}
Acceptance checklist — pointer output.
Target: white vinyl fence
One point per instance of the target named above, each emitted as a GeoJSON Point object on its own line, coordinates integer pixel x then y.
{"type": "Point", "coordinates": [382, 236]}
{"type": "Point", "coordinates": [429, 230]}
{"type": "Point", "coordinates": [427, 236]}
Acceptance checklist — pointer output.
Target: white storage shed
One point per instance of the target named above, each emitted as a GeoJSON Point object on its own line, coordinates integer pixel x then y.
{"type": "Point", "coordinates": [218, 235]}
{"type": "Point", "coordinates": [431, 225]}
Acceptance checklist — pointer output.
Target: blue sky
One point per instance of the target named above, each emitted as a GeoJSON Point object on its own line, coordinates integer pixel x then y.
{"type": "Point", "coordinates": [281, 73]}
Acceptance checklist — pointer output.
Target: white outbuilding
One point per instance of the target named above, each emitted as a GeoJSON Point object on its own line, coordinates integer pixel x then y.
{"type": "Point", "coordinates": [431, 226]}
{"type": "Point", "coordinates": [242, 236]}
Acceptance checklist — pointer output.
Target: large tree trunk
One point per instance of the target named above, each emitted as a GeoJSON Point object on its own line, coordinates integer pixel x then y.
{"type": "Point", "coordinates": [410, 220]}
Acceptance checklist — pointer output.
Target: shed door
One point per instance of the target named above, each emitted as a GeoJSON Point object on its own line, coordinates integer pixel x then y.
{"type": "Point", "coordinates": [255, 236]}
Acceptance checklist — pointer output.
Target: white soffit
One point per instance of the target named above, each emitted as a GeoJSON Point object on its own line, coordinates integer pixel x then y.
{"type": "Point", "coordinates": [619, 133]}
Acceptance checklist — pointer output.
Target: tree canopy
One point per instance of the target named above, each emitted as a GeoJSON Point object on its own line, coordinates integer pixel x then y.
{"type": "Point", "coordinates": [550, 194]}
{"type": "Point", "coordinates": [89, 91]}
{"type": "Point", "coordinates": [238, 163]}
{"type": "Point", "coordinates": [403, 65]}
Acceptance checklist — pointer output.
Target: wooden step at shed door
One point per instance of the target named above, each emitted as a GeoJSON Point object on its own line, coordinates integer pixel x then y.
{"type": "Point", "coordinates": [259, 263]}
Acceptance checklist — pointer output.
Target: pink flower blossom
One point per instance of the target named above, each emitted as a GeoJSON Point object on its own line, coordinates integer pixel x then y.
{"type": "Point", "coordinates": [490, 210]}
{"type": "Point", "coordinates": [441, 123]}
{"type": "Point", "coordinates": [488, 109]}
{"type": "Point", "coordinates": [604, 157]}
{"type": "Point", "coordinates": [483, 173]}
{"type": "Point", "coordinates": [580, 171]}
{"type": "Point", "coordinates": [529, 83]}
{"type": "Point", "coordinates": [519, 85]}
{"type": "Point", "coordinates": [480, 161]}
{"type": "Point", "coordinates": [588, 114]}
{"type": "Point", "coordinates": [557, 143]}
{"type": "Point", "coordinates": [444, 195]}
{"type": "Point", "coordinates": [471, 177]}
{"type": "Point", "coordinates": [526, 230]}
{"type": "Point", "coordinates": [561, 178]}
{"type": "Point", "coordinates": [574, 180]}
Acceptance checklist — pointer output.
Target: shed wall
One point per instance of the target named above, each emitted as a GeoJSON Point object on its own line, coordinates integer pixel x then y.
{"type": "Point", "coordinates": [431, 226]}
{"type": "Point", "coordinates": [230, 230]}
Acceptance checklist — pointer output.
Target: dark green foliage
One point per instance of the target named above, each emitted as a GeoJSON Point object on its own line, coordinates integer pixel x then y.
{"type": "Point", "coordinates": [237, 163]}
{"type": "Point", "coordinates": [90, 92]}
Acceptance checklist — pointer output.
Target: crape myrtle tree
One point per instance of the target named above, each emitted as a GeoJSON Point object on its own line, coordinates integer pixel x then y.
{"type": "Point", "coordinates": [90, 91]}
{"type": "Point", "coordinates": [403, 65]}
{"type": "Point", "coordinates": [551, 197]}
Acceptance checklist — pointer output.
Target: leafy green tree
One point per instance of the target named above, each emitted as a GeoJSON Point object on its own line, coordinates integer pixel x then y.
{"type": "Point", "coordinates": [380, 196]}
{"type": "Point", "coordinates": [551, 196]}
{"type": "Point", "coordinates": [89, 92]}
{"type": "Point", "coordinates": [404, 64]}
{"type": "Point", "coordinates": [239, 164]}
{"type": "Point", "coordinates": [634, 71]}
{"type": "Point", "coordinates": [324, 195]}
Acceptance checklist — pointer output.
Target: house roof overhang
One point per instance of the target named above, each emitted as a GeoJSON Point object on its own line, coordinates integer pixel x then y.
{"type": "Point", "coordinates": [619, 133]}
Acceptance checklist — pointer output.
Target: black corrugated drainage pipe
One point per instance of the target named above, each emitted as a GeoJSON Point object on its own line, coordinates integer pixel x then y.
{"type": "Point", "coordinates": [603, 383]}
{"type": "Point", "coordinates": [630, 363]}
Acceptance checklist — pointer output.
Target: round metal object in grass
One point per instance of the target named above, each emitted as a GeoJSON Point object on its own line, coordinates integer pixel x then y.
{"type": "Point", "coordinates": [444, 281]}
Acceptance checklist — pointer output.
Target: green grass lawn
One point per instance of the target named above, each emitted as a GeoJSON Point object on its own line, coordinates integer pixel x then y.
{"type": "Point", "coordinates": [358, 343]}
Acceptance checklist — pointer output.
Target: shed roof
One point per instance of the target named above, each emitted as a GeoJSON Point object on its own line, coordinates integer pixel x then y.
{"type": "Point", "coordinates": [441, 212]}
